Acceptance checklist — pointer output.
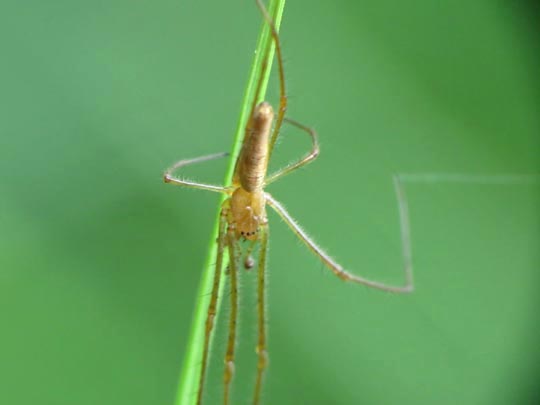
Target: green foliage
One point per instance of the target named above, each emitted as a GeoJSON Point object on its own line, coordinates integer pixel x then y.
{"type": "Point", "coordinates": [100, 262]}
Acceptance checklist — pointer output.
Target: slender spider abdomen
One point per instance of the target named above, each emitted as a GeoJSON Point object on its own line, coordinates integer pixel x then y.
{"type": "Point", "coordinates": [253, 159]}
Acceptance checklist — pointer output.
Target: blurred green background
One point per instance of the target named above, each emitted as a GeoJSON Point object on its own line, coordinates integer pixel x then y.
{"type": "Point", "coordinates": [100, 261]}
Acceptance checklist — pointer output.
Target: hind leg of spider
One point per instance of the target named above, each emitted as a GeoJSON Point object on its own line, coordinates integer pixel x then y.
{"type": "Point", "coordinates": [281, 71]}
{"type": "Point", "coordinates": [212, 306]}
{"type": "Point", "coordinates": [234, 252]}
{"type": "Point", "coordinates": [301, 162]}
{"type": "Point", "coordinates": [336, 268]}
{"type": "Point", "coordinates": [262, 352]}
{"type": "Point", "coordinates": [169, 178]}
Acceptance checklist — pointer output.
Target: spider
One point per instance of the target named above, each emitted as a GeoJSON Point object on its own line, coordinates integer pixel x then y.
{"type": "Point", "coordinates": [243, 217]}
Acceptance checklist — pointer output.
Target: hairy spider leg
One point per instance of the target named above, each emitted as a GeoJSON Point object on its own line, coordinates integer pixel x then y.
{"type": "Point", "coordinates": [169, 178]}
{"type": "Point", "coordinates": [212, 306]}
{"type": "Point", "coordinates": [234, 251]}
{"type": "Point", "coordinates": [335, 267]}
{"type": "Point", "coordinates": [262, 351]}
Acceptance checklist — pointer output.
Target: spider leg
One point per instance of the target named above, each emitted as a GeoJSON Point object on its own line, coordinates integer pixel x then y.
{"type": "Point", "coordinates": [335, 267]}
{"type": "Point", "coordinates": [260, 81]}
{"type": "Point", "coordinates": [282, 92]}
{"type": "Point", "coordinates": [212, 306]}
{"type": "Point", "coordinates": [261, 310]}
{"type": "Point", "coordinates": [169, 178]}
{"type": "Point", "coordinates": [231, 342]}
{"type": "Point", "coordinates": [303, 161]}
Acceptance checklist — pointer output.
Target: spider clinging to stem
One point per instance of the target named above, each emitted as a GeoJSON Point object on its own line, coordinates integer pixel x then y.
{"type": "Point", "coordinates": [243, 217]}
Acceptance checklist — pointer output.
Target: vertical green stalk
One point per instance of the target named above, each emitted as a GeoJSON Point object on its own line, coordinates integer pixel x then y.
{"type": "Point", "coordinates": [189, 377]}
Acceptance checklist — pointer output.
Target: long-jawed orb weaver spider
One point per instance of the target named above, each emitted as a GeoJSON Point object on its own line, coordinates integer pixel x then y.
{"type": "Point", "coordinates": [243, 217]}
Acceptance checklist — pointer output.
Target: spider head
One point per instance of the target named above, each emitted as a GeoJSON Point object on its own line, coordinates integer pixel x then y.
{"type": "Point", "coordinates": [248, 213]}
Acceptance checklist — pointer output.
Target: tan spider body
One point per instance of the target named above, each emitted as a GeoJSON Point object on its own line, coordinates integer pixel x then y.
{"type": "Point", "coordinates": [243, 217]}
{"type": "Point", "coordinates": [247, 203]}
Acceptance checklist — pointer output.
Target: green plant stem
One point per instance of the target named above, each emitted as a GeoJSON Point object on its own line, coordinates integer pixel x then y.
{"type": "Point", "coordinates": [189, 377]}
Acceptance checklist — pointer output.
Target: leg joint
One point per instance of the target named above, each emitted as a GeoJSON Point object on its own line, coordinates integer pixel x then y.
{"type": "Point", "coordinates": [229, 371]}
{"type": "Point", "coordinates": [263, 358]}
